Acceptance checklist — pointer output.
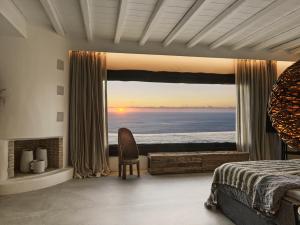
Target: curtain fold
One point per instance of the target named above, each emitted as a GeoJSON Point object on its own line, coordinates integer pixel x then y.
{"type": "Point", "coordinates": [88, 135]}
{"type": "Point", "coordinates": [254, 81]}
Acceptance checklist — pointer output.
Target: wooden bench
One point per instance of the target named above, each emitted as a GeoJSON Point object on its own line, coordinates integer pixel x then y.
{"type": "Point", "coordinates": [191, 162]}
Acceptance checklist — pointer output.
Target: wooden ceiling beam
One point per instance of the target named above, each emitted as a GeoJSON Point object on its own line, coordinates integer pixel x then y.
{"type": "Point", "coordinates": [257, 18]}
{"type": "Point", "coordinates": [12, 14]}
{"type": "Point", "coordinates": [183, 22]}
{"type": "Point", "coordinates": [51, 11]}
{"type": "Point", "coordinates": [87, 20]}
{"type": "Point", "coordinates": [152, 21]}
{"type": "Point", "coordinates": [209, 27]}
{"type": "Point", "coordinates": [121, 20]}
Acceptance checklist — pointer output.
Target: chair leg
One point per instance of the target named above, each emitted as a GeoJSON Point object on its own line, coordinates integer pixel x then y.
{"type": "Point", "coordinates": [120, 169]}
{"type": "Point", "coordinates": [131, 170]}
{"type": "Point", "coordinates": [124, 172]}
{"type": "Point", "coordinates": [138, 168]}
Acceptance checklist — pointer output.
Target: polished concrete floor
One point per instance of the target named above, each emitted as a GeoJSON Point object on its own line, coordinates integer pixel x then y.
{"type": "Point", "coordinates": [150, 200]}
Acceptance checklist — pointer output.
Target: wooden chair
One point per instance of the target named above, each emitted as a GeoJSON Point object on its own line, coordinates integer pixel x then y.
{"type": "Point", "coordinates": [128, 152]}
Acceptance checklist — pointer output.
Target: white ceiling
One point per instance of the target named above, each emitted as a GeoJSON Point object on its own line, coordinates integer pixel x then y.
{"type": "Point", "coordinates": [255, 25]}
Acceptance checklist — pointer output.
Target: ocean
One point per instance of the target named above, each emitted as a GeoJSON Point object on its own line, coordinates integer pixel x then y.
{"type": "Point", "coordinates": [199, 126]}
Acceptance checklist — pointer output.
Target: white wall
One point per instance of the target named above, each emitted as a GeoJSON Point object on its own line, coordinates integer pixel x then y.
{"type": "Point", "coordinates": [28, 73]}
{"type": "Point", "coordinates": [121, 61]}
{"type": "Point", "coordinates": [124, 61]}
{"type": "Point", "coordinates": [282, 65]}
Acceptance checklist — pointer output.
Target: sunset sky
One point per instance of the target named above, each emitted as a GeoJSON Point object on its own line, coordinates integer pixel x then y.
{"type": "Point", "coordinates": [124, 95]}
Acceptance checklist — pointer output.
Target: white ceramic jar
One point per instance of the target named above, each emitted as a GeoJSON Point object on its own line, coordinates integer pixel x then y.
{"type": "Point", "coordinates": [37, 166]}
{"type": "Point", "coordinates": [26, 158]}
{"type": "Point", "coordinates": [41, 154]}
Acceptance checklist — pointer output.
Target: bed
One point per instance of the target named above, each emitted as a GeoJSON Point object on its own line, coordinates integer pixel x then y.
{"type": "Point", "coordinates": [258, 192]}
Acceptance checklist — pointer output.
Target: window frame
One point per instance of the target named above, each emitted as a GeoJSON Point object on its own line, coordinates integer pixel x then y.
{"type": "Point", "coordinates": [173, 77]}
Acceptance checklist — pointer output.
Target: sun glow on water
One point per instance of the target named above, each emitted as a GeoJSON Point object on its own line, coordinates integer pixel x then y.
{"type": "Point", "coordinates": [121, 110]}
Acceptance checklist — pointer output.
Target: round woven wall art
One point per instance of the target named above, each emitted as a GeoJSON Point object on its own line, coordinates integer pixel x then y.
{"type": "Point", "coordinates": [284, 106]}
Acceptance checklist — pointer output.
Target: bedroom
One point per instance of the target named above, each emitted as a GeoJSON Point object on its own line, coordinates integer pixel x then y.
{"type": "Point", "coordinates": [47, 44]}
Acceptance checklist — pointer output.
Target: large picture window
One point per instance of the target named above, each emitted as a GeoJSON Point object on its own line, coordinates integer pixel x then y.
{"type": "Point", "coordinates": [159, 113]}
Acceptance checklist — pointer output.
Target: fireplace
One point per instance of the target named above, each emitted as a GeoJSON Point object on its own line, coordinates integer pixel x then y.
{"type": "Point", "coordinates": [54, 148]}
{"type": "Point", "coordinates": [12, 181]}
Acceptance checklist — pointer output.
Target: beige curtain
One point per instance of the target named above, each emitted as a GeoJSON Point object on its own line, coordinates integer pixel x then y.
{"type": "Point", "coordinates": [254, 81]}
{"type": "Point", "coordinates": [88, 138]}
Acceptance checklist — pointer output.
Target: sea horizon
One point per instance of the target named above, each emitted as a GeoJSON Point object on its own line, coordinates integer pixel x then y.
{"type": "Point", "coordinates": [169, 109]}
{"type": "Point", "coordinates": [193, 126]}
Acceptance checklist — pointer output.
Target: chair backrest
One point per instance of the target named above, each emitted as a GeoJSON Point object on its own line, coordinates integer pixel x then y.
{"type": "Point", "coordinates": [127, 145]}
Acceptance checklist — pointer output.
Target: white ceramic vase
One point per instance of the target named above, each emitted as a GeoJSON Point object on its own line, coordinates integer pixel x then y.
{"type": "Point", "coordinates": [41, 154]}
{"type": "Point", "coordinates": [37, 166]}
{"type": "Point", "coordinates": [26, 158]}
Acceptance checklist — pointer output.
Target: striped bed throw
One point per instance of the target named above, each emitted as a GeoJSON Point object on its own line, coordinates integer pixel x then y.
{"type": "Point", "coordinates": [264, 182]}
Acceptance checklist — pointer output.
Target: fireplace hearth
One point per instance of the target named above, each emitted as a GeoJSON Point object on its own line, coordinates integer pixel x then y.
{"type": "Point", "coordinates": [54, 148]}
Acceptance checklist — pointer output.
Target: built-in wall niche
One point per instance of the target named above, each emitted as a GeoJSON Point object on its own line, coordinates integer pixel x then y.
{"type": "Point", "coordinates": [2, 97]}
{"type": "Point", "coordinates": [60, 65]}
{"type": "Point", "coordinates": [53, 145]}
{"type": "Point", "coordinates": [60, 90]}
{"type": "Point", "coordinates": [60, 117]}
